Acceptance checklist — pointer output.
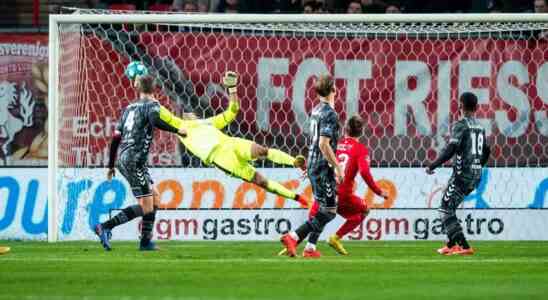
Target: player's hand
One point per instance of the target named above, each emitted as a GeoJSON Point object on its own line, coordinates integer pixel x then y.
{"type": "Point", "coordinates": [230, 81]}
{"type": "Point", "coordinates": [339, 177]}
{"type": "Point", "coordinates": [111, 173]}
{"type": "Point", "coordinates": [182, 132]}
{"type": "Point", "coordinates": [429, 171]}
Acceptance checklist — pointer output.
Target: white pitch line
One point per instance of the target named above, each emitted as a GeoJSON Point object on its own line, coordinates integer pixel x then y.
{"type": "Point", "coordinates": [441, 260]}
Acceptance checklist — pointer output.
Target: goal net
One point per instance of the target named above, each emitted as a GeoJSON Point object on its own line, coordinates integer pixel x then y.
{"type": "Point", "coordinates": [402, 74]}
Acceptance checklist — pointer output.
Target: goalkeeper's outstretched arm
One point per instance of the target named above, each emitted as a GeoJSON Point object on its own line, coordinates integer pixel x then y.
{"type": "Point", "coordinates": [163, 119]}
{"type": "Point", "coordinates": [230, 82]}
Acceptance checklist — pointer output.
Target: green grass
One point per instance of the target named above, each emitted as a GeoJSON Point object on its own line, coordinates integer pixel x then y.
{"type": "Point", "coordinates": [230, 270]}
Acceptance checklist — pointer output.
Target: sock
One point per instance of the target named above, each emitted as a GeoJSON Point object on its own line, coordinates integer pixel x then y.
{"type": "Point", "coordinates": [127, 214]}
{"type": "Point", "coordinates": [310, 246]}
{"type": "Point", "coordinates": [280, 157]}
{"type": "Point", "coordinates": [303, 231]}
{"type": "Point", "coordinates": [313, 237]}
{"type": "Point", "coordinates": [147, 227]}
{"type": "Point", "coordinates": [351, 223]}
{"type": "Point", "coordinates": [451, 243]}
{"type": "Point", "coordinates": [278, 189]}
{"type": "Point", "coordinates": [459, 238]}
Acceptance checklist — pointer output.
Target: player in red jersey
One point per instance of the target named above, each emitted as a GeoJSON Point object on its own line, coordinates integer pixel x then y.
{"type": "Point", "coordinates": [353, 157]}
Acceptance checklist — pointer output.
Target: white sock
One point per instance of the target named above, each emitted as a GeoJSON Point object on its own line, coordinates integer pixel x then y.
{"type": "Point", "coordinates": [294, 235]}
{"type": "Point", "coordinates": [310, 246]}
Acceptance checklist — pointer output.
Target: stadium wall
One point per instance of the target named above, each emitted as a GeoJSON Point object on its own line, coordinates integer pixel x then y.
{"type": "Point", "coordinates": [205, 204]}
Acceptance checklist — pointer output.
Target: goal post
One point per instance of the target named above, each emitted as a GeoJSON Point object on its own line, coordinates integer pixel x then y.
{"type": "Point", "coordinates": [402, 72]}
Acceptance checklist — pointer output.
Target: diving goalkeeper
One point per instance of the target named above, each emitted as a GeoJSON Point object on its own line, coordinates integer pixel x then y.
{"type": "Point", "coordinates": [234, 155]}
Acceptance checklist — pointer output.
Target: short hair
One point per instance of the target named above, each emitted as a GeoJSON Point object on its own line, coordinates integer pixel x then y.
{"type": "Point", "coordinates": [469, 101]}
{"type": "Point", "coordinates": [324, 85]}
{"type": "Point", "coordinates": [145, 84]}
{"type": "Point", "coordinates": [354, 126]}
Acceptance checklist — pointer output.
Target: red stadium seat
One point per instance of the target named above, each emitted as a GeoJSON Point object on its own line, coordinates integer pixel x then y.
{"type": "Point", "coordinates": [122, 6]}
{"type": "Point", "coordinates": [159, 7]}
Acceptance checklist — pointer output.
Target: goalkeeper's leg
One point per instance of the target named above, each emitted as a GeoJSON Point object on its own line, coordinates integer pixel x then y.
{"type": "Point", "coordinates": [250, 151]}
{"type": "Point", "coordinates": [277, 188]}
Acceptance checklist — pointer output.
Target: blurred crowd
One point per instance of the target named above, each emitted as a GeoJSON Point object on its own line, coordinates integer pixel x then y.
{"type": "Point", "coordinates": [327, 6]}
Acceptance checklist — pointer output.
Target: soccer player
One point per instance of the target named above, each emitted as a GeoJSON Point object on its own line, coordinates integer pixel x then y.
{"type": "Point", "coordinates": [353, 157]}
{"type": "Point", "coordinates": [323, 169]}
{"type": "Point", "coordinates": [469, 146]}
{"type": "Point", "coordinates": [134, 135]}
{"type": "Point", "coordinates": [232, 155]}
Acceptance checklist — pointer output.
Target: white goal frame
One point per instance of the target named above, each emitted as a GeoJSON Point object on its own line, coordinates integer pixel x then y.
{"type": "Point", "coordinates": [56, 20]}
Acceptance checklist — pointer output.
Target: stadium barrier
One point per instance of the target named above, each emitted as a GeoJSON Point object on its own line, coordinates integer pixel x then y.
{"type": "Point", "coordinates": [206, 204]}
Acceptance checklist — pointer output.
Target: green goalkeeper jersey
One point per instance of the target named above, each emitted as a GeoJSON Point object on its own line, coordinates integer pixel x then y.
{"type": "Point", "coordinates": [205, 135]}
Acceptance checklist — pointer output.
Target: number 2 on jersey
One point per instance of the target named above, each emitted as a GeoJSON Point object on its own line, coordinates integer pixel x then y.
{"type": "Point", "coordinates": [343, 160]}
{"type": "Point", "coordinates": [477, 142]}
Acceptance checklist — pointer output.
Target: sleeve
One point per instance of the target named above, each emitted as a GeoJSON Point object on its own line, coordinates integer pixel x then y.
{"type": "Point", "coordinates": [120, 124]}
{"type": "Point", "coordinates": [328, 125]}
{"type": "Point", "coordinates": [365, 171]}
{"type": "Point", "coordinates": [220, 121]}
{"type": "Point", "coordinates": [114, 144]}
{"type": "Point", "coordinates": [486, 153]}
{"type": "Point", "coordinates": [457, 133]}
{"type": "Point", "coordinates": [445, 155]}
{"type": "Point", "coordinates": [163, 119]}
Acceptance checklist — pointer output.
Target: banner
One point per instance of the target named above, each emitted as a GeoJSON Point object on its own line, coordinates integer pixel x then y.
{"type": "Point", "coordinates": [86, 197]}
{"type": "Point", "coordinates": [23, 99]}
{"type": "Point", "coordinates": [392, 224]}
{"type": "Point", "coordinates": [406, 89]}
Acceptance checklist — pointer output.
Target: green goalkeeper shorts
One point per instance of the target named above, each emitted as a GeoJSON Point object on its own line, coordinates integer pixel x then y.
{"type": "Point", "coordinates": [233, 157]}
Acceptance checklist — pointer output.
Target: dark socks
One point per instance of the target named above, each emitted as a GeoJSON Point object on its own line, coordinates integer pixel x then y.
{"type": "Point", "coordinates": [303, 231]}
{"type": "Point", "coordinates": [147, 226]}
{"type": "Point", "coordinates": [127, 214]}
{"type": "Point", "coordinates": [461, 240]}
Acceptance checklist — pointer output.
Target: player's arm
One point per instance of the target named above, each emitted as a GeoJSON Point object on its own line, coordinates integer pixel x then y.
{"type": "Point", "coordinates": [450, 149]}
{"type": "Point", "coordinates": [486, 152]}
{"type": "Point", "coordinates": [327, 132]}
{"type": "Point", "coordinates": [230, 82]}
{"type": "Point", "coordinates": [163, 119]}
{"type": "Point", "coordinates": [365, 172]}
{"type": "Point", "coordinates": [221, 120]}
{"type": "Point", "coordinates": [114, 144]}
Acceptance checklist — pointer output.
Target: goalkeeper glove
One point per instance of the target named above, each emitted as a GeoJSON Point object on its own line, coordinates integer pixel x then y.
{"type": "Point", "coordinates": [230, 80]}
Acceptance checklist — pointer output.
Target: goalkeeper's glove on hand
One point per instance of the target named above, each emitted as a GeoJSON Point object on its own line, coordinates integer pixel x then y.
{"type": "Point", "coordinates": [230, 81]}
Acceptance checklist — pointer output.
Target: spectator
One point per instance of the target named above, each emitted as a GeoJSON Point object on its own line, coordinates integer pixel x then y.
{"type": "Point", "coordinates": [203, 6]}
{"type": "Point", "coordinates": [354, 7]}
{"type": "Point", "coordinates": [373, 6]}
{"type": "Point", "coordinates": [541, 6]}
{"type": "Point", "coordinates": [313, 7]}
{"type": "Point", "coordinates": [291, 6]}
{"type": "Point", "coordinates": [230, 6]}
{"type": "Point", "coordinates": [190, 7]}
{"type": "Point", "coordinates": [393, 9]}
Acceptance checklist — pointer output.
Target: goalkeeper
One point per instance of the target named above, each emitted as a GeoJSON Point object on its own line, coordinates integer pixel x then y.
{"type": "Point", "coordinates": [234, 155]}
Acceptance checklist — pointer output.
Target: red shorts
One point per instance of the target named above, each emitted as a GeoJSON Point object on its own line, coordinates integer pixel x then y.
{"type": "Point", "coordinates": [347, 206]}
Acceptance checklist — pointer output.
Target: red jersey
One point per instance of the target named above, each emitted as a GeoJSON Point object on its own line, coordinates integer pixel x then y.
{"type": "Point", "coordinates": [353, 157]}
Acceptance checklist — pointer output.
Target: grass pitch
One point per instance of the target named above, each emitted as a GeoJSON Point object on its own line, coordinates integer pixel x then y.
{"type": "Point", "coordinates": [232, 270]}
